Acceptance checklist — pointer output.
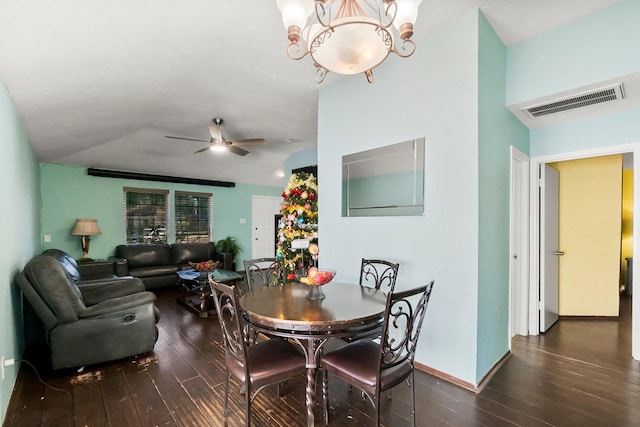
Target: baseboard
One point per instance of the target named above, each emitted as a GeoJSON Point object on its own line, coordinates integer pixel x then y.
{"type": "Point", "coordinates": [446, 377]}
{"type": "Point", "coordinates": [492, 371]}
{"type": "Point", "coordinates": [461, 383]}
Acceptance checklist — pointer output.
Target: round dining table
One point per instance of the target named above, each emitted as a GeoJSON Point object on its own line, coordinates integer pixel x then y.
{"type": "Point", "coordinates": [347, 310]}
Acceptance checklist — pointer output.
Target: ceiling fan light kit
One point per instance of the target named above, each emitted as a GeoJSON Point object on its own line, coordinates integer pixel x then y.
{"type": "Point", "coordinates": [219, 143]}
{"type": "Point", "coordinates": [349, 36]}
{"type": "Point", "coordinates": [218, 146]}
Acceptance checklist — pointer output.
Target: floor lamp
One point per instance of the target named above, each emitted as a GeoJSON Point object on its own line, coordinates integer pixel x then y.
{"type": "Point", "coordinates": [86, 228]}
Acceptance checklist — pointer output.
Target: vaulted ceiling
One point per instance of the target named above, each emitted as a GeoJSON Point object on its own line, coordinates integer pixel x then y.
{"type": "Point", "coordinates": [100, 83]}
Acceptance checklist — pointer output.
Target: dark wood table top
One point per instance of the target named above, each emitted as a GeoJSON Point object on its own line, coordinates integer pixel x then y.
{"type": "Point", "coordinates": [285, 308]}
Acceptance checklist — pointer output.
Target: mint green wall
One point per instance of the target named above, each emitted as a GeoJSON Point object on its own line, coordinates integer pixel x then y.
{"type": "Point", "coordinates": [593, 49]}
{"type": "Point", "coordinates": [20, 233]}
{"type": "Point", "coordinates": [603, 131]}
{"type": "Point", "coordinates": [69, 193]}
{"type": "Point", "coordinates": [498, 129]}
{"type": "Point", "coordinates": [433, 94]}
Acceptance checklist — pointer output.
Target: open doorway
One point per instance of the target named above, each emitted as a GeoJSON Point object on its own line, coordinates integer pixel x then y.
{"type": "Point", "coordinates": [535, 213]}
{"type": "Point", "coordinates": [580, 238]}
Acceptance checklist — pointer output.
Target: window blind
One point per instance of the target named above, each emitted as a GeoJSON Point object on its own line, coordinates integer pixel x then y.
{"type": "Point", "coordinates": [193, 216]}
{"type": "Point", "coordinates": [146, 215]}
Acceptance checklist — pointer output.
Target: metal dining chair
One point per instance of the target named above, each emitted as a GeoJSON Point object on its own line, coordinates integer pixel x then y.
{"type": "Point", "coordinates": [256, 366]}
{"type": "Point", "coordinates": [374, 273]}
{"type": "Point", "coordinates": [376, 367]}
{"type": "Point", "coordinates": [262, 272]}
{"type": "Point", "coordinates": [379, 274]}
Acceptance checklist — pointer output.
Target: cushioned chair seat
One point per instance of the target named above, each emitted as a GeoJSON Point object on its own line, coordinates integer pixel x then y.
{"type": "Point", "coordinates": [360, 360]}
{"type": "Point", "coordinates": [268, 359]}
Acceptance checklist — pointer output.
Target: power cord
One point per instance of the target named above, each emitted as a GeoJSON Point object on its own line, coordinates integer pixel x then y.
{"type": "Point", "coordinates": [40, 379]}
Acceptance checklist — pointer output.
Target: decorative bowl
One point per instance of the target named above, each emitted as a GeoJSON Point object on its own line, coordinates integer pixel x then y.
{"type": "Point", "coordinates": [317, 276]}
{"type": "Point", "coordinates": [204, 266]}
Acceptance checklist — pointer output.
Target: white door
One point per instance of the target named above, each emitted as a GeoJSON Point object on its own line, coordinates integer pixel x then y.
{"type": "Point", "coordinates": [519, 246]}
{"type": "Point", "coordinates": [549, 251]}
{"type": "Point", "coordinates": [263, 230]}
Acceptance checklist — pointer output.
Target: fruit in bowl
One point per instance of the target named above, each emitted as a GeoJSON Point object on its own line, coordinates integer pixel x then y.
{"type": "Point", "coordinates": [316, 276]}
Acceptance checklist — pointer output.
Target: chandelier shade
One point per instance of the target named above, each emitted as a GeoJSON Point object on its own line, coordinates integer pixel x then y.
{"type": "Point", "coordinates": [351, 46]}
{"type": "Point", "coordinates": [348, 36]}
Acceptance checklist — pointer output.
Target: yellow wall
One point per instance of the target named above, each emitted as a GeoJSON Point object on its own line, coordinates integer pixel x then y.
{"type": "Point", "coordinates": [590, 209]}
{"type": "Point", "coordinates": [627, 222]}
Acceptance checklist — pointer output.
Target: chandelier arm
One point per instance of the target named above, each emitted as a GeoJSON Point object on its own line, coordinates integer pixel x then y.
{"type": "Point", "coordinates": [407, 48]}
{"type": "Point", "coordinates": [297, 53]}
{"type": "Point", "coordinates": [321, 73]}
{"type": "Point", "coordinates": [392, 7]}
{"type": "Point", "coordinates": [319, 39]}
{"type": "Point", "coordinates": [321, 12]}
{"type": "Point", "coordinates": [369, 75]}
{"type": "Point", "coordinates": [386, 37]}
{"type": "Point", "coordinates": [354, 9]}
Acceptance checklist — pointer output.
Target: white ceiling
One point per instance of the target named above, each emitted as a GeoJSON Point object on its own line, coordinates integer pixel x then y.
{"type": "Point", "coordinates": [99, 83]}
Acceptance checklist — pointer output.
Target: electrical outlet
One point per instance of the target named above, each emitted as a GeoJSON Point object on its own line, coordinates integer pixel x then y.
{"type": "Point", "coordinates": [4, 363]}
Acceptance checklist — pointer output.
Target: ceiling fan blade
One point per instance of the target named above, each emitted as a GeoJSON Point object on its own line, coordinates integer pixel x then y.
{"type": "Point", "coordinates": [202, 149]}
{"type": "Point", "coordinates": [186, 139]}
{"type": "Point", "coordinates": [256, 141]}
{"type": "Point", "coordinates": [237, 150]}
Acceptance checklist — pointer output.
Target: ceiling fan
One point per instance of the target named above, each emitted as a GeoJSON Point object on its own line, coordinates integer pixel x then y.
{"type": "Point", "coordinates": [220, 143]}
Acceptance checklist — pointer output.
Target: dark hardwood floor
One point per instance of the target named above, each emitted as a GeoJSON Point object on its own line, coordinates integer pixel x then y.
{"type": "Point", "coordinates": [578, 374]}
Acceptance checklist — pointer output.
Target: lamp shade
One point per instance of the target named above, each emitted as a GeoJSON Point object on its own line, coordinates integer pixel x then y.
{"type": "Point", "coordinates": [295, 12]}
{"type": "Point", "coordinates": [407, 12]}
{"type": "Point", "coordinates": [86, 227]}
{"type": "Point", "coordinates": [406, 16]}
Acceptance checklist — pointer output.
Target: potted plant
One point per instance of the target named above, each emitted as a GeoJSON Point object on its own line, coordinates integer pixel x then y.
{"type": "Point", "coordinates": [229, 245]}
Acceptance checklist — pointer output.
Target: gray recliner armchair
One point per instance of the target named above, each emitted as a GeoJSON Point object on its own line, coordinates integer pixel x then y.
{"type": "Point", "coordinates": [88, 324]}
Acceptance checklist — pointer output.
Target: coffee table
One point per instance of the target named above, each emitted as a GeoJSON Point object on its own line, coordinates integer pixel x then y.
{"type": "Point", "coordinates": [195, 292]}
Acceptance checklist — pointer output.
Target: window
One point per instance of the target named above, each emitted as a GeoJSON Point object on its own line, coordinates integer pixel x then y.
{"type": "Point", "coordinates": [146, 215]}
{"type": "Point", "coordinates": [193, 217]}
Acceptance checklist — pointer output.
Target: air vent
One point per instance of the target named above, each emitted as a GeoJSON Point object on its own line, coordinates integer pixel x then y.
{"type": "Point", "coordinates": [596, 96]}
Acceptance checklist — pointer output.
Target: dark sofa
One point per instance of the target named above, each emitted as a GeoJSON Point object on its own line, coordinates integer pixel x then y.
{"type": "Point", "coordinates": [156, 264]}
{"type": "Point", "coordinates": [88, 321]}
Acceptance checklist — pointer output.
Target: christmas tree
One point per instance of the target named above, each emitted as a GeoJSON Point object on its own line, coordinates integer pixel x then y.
{"type": "Point", "coordinates": [299, 221]}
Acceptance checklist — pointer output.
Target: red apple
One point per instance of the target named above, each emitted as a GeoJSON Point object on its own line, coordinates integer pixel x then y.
{"type": "Point", "coordinates": [318, 279]}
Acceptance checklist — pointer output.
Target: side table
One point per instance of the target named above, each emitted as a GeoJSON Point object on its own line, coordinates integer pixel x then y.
{"type": "Point", "coordinates": [195, 292]}
{"type": "Point", "coordinates": [95, 269]}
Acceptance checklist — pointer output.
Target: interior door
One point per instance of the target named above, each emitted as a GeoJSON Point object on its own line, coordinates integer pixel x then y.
{"type": "Point", "coordinates": [263, 230]}
{"type": "Point", "coordinates": [549, 252]}
{"type": "Point", "coordinates": [519, 244]}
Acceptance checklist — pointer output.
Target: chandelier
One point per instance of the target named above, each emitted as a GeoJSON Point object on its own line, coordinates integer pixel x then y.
{"type": "Point", "coordinates": [348, 36]}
